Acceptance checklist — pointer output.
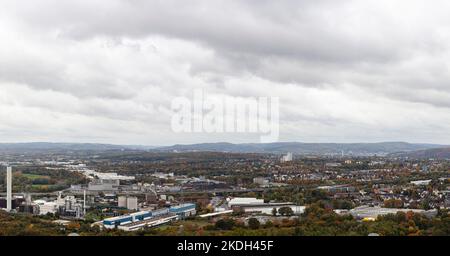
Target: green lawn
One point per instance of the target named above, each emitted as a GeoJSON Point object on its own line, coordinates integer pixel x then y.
{"type": "Point", "coordinates": [39, 186]}
{"type": "Point", "coordinates": [34, 176]}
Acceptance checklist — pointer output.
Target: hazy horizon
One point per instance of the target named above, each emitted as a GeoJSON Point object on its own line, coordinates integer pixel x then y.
{"type": "Point", "coordinates": [218, 142]}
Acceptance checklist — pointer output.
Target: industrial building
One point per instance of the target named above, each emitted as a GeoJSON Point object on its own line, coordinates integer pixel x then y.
{"type": "Point", "coordinates": [152, 222]}
{"type": "Point", "coordinates": [254, 205]}
{"type": "Point", "coordinates": [261, 181]}
{"type": "Point", "coordinates": [342, 188]}
{"type": "Point", "coordinates": [15, 202]}
{"type": "Point", "coordinates": [91, 174]}
{"type": "Point", "coordinates": [142, 219]}
{"type": "Point", "coordinates": [421, 182]}
{"type": "Point", "coordinates": [46, 207]}
{"type": "Point", "coordinates": [66, 207]}
{"type": "Point", "coordinates": [104, 181]}
{"type": "Point", "coordinates": [237, 201]}
{"type": "Point", "coordinates": [371, 213]}
{"type": "Point", "coordinates": [71, 208]}
{"type": "Point", "coordinates": [104, 185]}
{"type": "Point", "coordinates": [268, 208]}
{"type": "Point", "coordinates": [29, 208]}
{"type": "Point", "coordinates": [183, 210]}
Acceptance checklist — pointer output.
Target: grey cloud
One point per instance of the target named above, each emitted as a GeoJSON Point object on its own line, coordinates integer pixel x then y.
{"type": "Point", "coordinates": [357, 66]}
{"type": "Point", "coordinates": [322, 31]}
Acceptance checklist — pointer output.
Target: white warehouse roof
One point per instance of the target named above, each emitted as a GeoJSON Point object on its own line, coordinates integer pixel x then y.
{"type": "Point", "coordinates": [245, 201]}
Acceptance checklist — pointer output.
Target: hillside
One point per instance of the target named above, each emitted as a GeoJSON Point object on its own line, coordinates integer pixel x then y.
{"type": "Point", "coordinates": [305, 148]}
{"type": "Point", "coordinates": [435, 153]}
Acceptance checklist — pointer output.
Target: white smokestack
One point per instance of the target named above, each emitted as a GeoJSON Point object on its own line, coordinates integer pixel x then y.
{"type": "Point", "coordinates": [8, 188]}
{"type": "Point", "coordinates": [84, 203]}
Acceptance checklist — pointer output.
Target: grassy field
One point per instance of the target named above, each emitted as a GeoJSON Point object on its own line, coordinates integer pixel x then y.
{"type": "Point", "coordinates": [34, 176]}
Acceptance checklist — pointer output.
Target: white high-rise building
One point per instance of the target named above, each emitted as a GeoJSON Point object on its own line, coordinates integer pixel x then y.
{"type": "Point", "coordinates": [8, 188]}
{"type": "Point", "coordinates": [286, 158]}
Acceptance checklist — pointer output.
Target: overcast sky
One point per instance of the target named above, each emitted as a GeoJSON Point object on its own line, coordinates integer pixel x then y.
{"type": "Point", "coordinates": [107, 71]}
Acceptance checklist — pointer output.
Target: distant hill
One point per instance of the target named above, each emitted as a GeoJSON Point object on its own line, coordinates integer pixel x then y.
{"type": "Point", "coordinates": [358, 149]}
{"type": "Point", "coordinates": [435, 153]}
{"type": "Point", "coordinates": [304, 148]}
{"type": "Point", "coordinates": [33, 146]}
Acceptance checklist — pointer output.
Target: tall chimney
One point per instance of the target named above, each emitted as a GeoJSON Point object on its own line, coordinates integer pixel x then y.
{"type": "Point", "coordinates": [8, 188]}
{"type": "Point", "coordinates": [84, 203]}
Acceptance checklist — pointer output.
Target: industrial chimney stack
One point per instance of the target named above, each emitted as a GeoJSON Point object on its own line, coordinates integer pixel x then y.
{"type": "Point", "coordinates": [8, 188]}
{"type": "Point", "coordinates": [84, 203]}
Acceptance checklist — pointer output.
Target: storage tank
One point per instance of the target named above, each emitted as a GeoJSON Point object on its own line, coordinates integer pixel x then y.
{"type": "Point", "coordinates": [132, 203]}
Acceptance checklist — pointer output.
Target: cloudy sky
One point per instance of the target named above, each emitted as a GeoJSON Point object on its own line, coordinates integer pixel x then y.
{"type": "Point", "coordinates": [107, 71]}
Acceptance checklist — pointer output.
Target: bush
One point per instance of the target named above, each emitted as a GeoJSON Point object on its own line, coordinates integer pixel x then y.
{"type": "Point", "coordinates": [225, 224]}
{"type": "Point", "coordinates": [253, 223]}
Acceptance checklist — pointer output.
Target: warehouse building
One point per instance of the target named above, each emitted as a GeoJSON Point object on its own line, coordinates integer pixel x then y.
{"type": "Point", "coordinates": [151, 222]}
{"type": "Point", "coordinates": [142, 219]}
{"type": "Point", "coordinates": [254, 205]}
{"type": "Point", "coordinates": [238, 201]}
{"type": "Point", "coordinates": [183, 210]}
{"type": "Point", "coordinates": [371, 213]}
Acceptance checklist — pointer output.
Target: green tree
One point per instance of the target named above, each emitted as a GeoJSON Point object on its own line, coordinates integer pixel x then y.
{"type": "Point", "coordinates": [225, 224]}
{"type": "Point", "coordinates": [286, 211]}
{"type": "Point", "coordinates": [253, 223]}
